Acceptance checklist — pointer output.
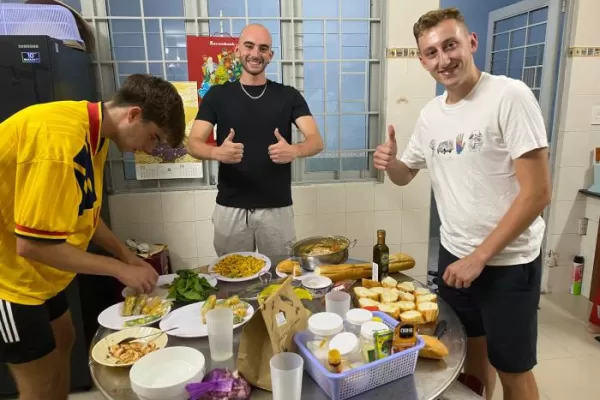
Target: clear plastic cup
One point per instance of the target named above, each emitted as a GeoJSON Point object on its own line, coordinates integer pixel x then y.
{"type": "Point", "coordinates": [286, 376]}
{"type": "Point", "coordinates": [338, 303]}
{"type": "Point", "coordinates": [219, 323]}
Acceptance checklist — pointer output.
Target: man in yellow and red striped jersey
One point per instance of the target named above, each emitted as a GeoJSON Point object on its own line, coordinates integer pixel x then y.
{"type": "Point", "coordinates": [52, 159]}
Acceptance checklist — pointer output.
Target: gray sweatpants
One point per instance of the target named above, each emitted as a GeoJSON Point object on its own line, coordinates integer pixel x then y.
{"type": "Point", "coordinates": [264, 230]}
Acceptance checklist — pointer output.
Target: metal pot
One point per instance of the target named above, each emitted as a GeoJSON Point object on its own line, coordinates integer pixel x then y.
{"type": "Point", "coordinates": [309, 263]}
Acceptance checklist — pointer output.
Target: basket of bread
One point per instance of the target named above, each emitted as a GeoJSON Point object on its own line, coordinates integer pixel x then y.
{"type": "Point", "coordinates": [402, 301]}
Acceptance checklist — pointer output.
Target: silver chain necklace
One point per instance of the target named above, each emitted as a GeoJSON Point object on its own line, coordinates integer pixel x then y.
{"type": "Point", "coordinates": [253, 97]}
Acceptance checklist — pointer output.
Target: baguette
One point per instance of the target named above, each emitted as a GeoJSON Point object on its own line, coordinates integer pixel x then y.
{"type": "Point", "coordinates": [430, 311]}
{"type": "Point", "coordinates": [407, 287]}
{"type": "Point", "coordinates": [434, 348]}
{"type": "Point", "coordinates": [421, 291]}
{"type": "Point", "coordinates": [406, 306]}
{"type": "Point", "coordinates": [428, 298]}
{"type": "Point", "coordinates": [389, 282]}
{"type": "Point", "coordinates": [406, 296]}
{"type": "Point", "coordinates": [398, 262]}
{"type": "Point", "coordinates": [366, 302]}
{"type": "Point", "coordinates": [412, 317]}
{"type": "Point", "coordinates": [368, 283]}
{"type": "Point", "coordinates": [390, 310]}
{"type": "Point", "coordinates": [362, 292]}
{"type": "Point", "coordinates": [288, 266]}
{"type": "Point", "coordinates": [388, 296]}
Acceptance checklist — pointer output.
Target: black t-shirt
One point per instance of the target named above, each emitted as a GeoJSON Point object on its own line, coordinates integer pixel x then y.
{"type": "Point", "coordinates": [255, 182]}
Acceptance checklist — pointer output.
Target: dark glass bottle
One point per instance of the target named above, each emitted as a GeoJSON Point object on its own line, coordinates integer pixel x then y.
{"type": "Point", "coordinates": [381, 256]}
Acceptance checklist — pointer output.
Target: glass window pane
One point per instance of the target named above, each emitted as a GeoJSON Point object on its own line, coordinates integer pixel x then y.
{"type": "Point", "coordinates": [354, 107]}
{"type": "Point", "coordinates": [312, 39]}
{"type": "Point", "coordinates": [332, 130]}
{"type": "Point", "coordinates": [534, 55]}
{"type": "Point", "coordinates": [126, 68]}
{"type": "Point", "coordinates": [152, 26]}
{"type": "Point", "coordinates": [229, 8]}
{"type": "Point", "coordinates": [161, 8]}
{"type": "Point", "coordinates": [314, 99]}
{"type": "Point", "coordinates": [538, 77]}
{"type": "Point", "coordinates": [536, 93]}
{"type": "Point", "coordinates": [354, 128]}
{"type": "Point", "coordinates": [126, 26]}
{"type": "Point", "coordinates": [353, 87]}
{"type": "Point", "coordinates": [515, 68]}
{"type": "Point", "coordinates": [332, 26]}
{"type": "Point", "coordinates": [356, 9]}
{"type": "Point", "coordinates": [155, 51]}
{"type": "Point", "coordinates": [355, 27]}
{"type": "Point", "coordinates": [353, 66]}
{"type": "Point", "coordinates": [536, 34]}
{"type": "Point", "coordinates": [517, 38]}
{"type": "Point", "coordinates": [128, 39]}
{"type": "Point", "coordinates": [529, 77]}
{"type": "Point", "coordinates": [314, 75]}
{"type": "Point", "coordinates": [516, 22]}
{"type": "Point", "coordinates": [537, 16]}
{"type": "Point", "coordinates": [500, 63]}
{"type": "Point", "coordinates": [129, 54]}
{"type": "Point", "coordinates": [177, 71]}
{"type": "Point", "coordinates": [320, 8]}
{"type": "Point", "coordinates": [314, 53]}
{"type": "Point", "coordinates": [123, 8]}
{"type": "Point", "coordinates": [263, 8]}
{"type": "Point", "coordinates": [333, 81]}
{"type": "Point", "coordinates": [333, 46]}
{"type": "Point", "coordinates": [501, 41]}
{"type": "Point", "coordinates": [355, 52]}
{"type": "Point", "coordinates": [156, 69]}
{"type": "Point", "coordinates": [312, 27]}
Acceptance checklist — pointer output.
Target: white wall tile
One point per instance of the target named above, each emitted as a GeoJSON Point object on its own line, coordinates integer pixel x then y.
{"type": "Point", "coordinates": [420, 252]}
{"type": "Point", "coordinates": [566, 246]}
{"type": "Point", "coordinates": [206, 261]}
{"type": "Point", "coordinates": [181, 239]}
{"type": "Point", "coordinates": [560, 279]}
{"type": "Point", "coordinates": [148, 208]}
{"type": "Point", "coordinates": [403, 112]}
{"type": "Point", "coordinates": [305, 200]}
{"type": "Point", "coordinates": [577, 113]}
{"type": "Point", "coordinates": [332, 224]}
{"type": "Point", "coordinates": [391, 221]}
{"type": "Point", "coordinates": [122, 231]}
{"type": "Point", "coordinates": [417, 194]}
{"type": "Point", "coordinates": [153, 233]}
{"type": "Point", "coordinates": [331, 198]}
{"type": "Point", "coordinates": [123, 209]}
{"type": "Point", "coordinates": [576, 149]}
{"type": "Point", "coordinates": [592, 208]}
{"type": "Point", "coordinates": [415, 225]}
{"type": "Point", "coordinates": [587, 29]}
{"type": "Point", "coordinates": [360, 197]}
{"type": "Point", "coordinates": [584, 75]}
{"type": "Point", "coordinates": [570, 181]}
{"type": "Point", "coordinates": [362, 253]}
{"type": "Point", "coordinates": [359, 226]}
{"type": "Point", "coordinates": [388, 196]}
{"type": "Point", "coordinates": [306, 226]}
{"type": "Point", "coordinates": [402, 16]}
{"type": "Point", "coordinates": [566, 215]}
{"type": "Point", "coordinates": [178, 263]}
{"type": "Point", "coordinates": [204, 204]}
{"type": "Point", "coordinates": [205, 234]}
{"type": "Point", "coordinates": [178, 206]}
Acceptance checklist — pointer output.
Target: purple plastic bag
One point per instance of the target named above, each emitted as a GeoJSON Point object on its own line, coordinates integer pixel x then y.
{"type": "Point", "coordinates": [220, 384]}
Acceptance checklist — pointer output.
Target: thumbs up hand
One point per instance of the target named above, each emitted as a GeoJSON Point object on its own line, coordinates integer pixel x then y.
{"type": "Point", "coordinates": [387, 152]}
{"type": "Point", "coordinates": [229, 152]}
{"type": "Point", "coordinates": [281, 152]}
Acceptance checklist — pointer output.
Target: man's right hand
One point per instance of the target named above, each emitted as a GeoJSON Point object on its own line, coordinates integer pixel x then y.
{"type": "Point", "coordinates": [141, 278]}
{"type": "Point", "coordinates": [386, 153]}
{"type": "Point", "coordinates": [229, 152]}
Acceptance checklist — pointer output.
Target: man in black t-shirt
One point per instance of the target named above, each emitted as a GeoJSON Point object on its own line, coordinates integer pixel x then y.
{"type": "Point", "coordinates": [254, 118]}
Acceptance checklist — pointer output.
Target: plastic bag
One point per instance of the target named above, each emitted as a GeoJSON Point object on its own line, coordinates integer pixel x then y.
{"type": "Point", "coordinates": [220, 384]}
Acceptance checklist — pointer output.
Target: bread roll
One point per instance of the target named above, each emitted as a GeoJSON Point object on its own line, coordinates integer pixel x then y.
{"type": "Point", "coordinates": [388, 296]}
{"type": "Point", "coordinates": [366, 302]}
{"type": "Point", "coordinates": [389, 282]}
{"type": "Point", "coordinates": [288, 266]}
{"type": "Point", "coordinates": [412, 317]}
{"type": "Point", "coordinates": [428, 298]}
{"type": "Point", "coordinates": [361, 292]}
{"type": "Point", "coordinates": [434, 348]}
{"type": "Point", "coordinates": [429, 310]}
{"type": "Point", "coordinates": [421, 291]}
{"type": "Point", "coordinates": [408, 287]}
{"type": "Point", "coordinates": [406, 296]}
{"type": "Point", "coordinates": [368, 283]}
{"type": "Point", "coordinates": [406, 306]}
{"type": "Point", "coordinates": [390, 310]}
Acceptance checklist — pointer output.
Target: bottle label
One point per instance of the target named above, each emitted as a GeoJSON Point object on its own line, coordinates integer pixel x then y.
{"type": "Point", "coordinates": [375, 275]}
{"type": "Point", "coordinates": [385, 258]}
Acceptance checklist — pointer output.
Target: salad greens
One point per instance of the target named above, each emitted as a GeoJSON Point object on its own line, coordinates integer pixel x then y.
{"type": "Point", "coordinates": [189, 287]}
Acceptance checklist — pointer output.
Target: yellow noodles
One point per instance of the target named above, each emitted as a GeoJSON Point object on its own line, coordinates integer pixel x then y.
{"type": "Point", "coordinates": [238, 266]}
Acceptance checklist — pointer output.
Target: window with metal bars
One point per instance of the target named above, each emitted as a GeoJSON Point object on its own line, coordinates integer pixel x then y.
{"type": "Point", "coordinates": [330, 50]}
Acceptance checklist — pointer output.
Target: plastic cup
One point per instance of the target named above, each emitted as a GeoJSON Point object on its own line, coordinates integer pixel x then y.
{"type": "Point", "coordinates": [286, 376]}
{"type": "Point", "coordinates": [337, 302]}
{"type": "Point", "coordinates": [219, 323]}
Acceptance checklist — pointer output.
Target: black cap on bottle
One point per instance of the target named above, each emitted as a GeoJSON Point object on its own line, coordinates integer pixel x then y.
{"type": "Point", "coordinates": [578, 259]}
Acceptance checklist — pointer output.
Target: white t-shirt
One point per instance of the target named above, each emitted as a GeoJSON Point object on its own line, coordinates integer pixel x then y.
{"type": "Point", "coordinates": [469, 148]}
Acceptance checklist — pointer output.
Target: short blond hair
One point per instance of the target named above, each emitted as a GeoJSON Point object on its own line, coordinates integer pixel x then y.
{"type": "Point", "coordinates": [432, 18]}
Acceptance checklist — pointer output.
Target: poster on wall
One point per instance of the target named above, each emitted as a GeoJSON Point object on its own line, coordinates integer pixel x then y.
{"type": "Point", "coordinates": [167, 162]}
{"type": "Point", "coordinates": [212, 61]}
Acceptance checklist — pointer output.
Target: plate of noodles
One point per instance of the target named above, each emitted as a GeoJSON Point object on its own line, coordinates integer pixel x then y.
{"type": "Point", "coordinates": [239, 267]}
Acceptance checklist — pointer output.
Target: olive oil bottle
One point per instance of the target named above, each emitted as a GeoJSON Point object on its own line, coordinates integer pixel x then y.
{"type": "Point", "coordinates": [381, 256]}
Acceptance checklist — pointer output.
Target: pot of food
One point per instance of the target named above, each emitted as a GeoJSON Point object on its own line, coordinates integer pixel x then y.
{"type": "Point", "coordinates": [320, 250]}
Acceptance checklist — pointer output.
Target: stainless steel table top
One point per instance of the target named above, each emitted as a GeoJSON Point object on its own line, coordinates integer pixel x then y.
{"type": "Point", "coordinates": [429, 381]}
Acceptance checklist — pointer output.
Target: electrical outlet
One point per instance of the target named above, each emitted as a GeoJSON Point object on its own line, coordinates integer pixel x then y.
{"type": "Point", "coordinates": [596, 115]}
{"type": "Point", "coordinates": [582, 224]}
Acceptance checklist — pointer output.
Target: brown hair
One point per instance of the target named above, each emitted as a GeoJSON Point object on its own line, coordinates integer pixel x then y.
{"type": "Point", "coordinates": [434, 17]}
{"type": "Point", "coordinates": [160, 103]}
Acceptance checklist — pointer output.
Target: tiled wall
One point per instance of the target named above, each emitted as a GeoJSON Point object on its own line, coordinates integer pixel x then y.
{"type": "Point", "coordinates": [356, 210]}
{"type": "Point", "coordinates": [588, 242]}
{"type": "Point", "coordinates": [577, 138]}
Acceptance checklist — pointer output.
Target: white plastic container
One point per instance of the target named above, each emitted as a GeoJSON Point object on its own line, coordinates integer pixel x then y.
{"type": "Point", "coordinates": [349, 347]}
{"type": "Point", "coordinates": [367, 341]}
{"type": "Point", "coordinates": [355, 318]}
{"type": "Point", "coordinates": [323, 326]}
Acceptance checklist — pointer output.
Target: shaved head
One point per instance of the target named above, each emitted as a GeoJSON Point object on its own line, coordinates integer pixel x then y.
{"type": "Point", "coordinates": [254, 49]}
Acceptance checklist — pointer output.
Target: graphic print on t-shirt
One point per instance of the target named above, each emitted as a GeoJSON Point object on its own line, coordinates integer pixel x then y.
{"type": "Point", "coordinates": [447, 146]}
{"type": "Point", "coordinates": [432, 147]}
{"type": "Point", "coordinates": [459, 143]}
{"type": "Point", "coordinates": [475, 141]}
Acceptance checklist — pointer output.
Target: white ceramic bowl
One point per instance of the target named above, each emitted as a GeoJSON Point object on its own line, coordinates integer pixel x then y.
{"type": "Point", "coordinates": [317, 285]}
{"type": "Point", "coordinates": [163, 374]}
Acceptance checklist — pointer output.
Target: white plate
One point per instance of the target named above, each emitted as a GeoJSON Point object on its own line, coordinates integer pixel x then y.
{"type": "Point", "coordinates": [297, 278]}
{"type": "Point", "coordinates": [100, 352]}
{"type": "Point", "coordinates": [166, 280]}
{"type": "Point", "coordinates": [111, 317]}
{"type": "Point", "coordinates": [188, 321]}
{"type": "Point", "coordinates": [267, 266]}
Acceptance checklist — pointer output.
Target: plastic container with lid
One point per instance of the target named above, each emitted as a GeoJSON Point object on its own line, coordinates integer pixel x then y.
{"type": "Point", "coordinates": [323, 326]}
{"type": "Point", "coordinates": [355, 318]}
{"type": "Point", "coordinates": [349, 346]}
{"type": "Point", "coordinates": [368, 341]}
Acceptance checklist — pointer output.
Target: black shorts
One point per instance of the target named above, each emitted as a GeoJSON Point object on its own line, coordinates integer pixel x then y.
{"type": "Point", "coordinates": [25, 331]}
{"type": "Point", "coordinates": [502, 305]}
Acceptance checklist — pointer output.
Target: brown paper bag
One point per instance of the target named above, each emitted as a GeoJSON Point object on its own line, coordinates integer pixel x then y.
{"type": "Point", "coordinates": [270, 331]}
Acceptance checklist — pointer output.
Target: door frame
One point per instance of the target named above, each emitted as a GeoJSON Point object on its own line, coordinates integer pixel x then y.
{"type": "Point", "coordinates": [552, 40]}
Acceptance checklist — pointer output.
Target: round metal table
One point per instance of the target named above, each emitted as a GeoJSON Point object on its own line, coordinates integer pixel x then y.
{"type": "Point", "coordinates": [430, 380]}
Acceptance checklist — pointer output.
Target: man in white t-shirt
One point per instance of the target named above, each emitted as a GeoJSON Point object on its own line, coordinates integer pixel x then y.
{"type": "Point", "coordinates": [485, 145]}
